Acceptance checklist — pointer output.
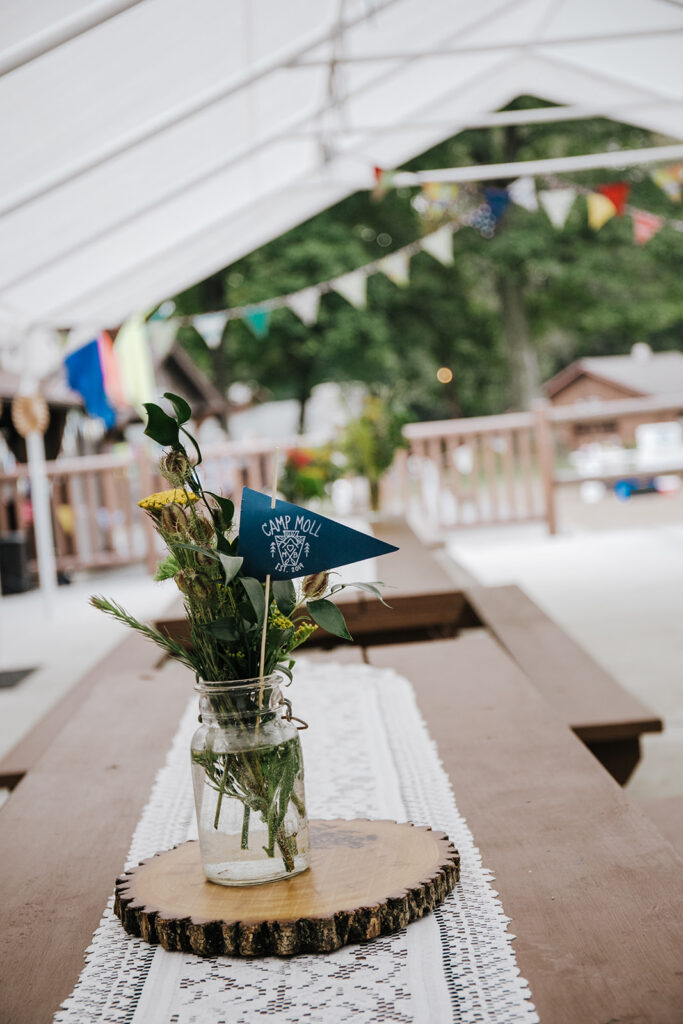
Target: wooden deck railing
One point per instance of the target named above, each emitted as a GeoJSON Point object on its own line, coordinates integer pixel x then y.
{"type": "Point", "coordinates": [502, 469]}
{"type": "Point", "coordinates": [93, 498]}
{"type": "Point", "coordinates": [454, 473]}
{"type": "Point", "coordinates": [481, 470]}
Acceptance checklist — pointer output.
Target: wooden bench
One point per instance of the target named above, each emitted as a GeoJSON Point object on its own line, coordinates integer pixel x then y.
{"type": "Point", "coordinates": [592, 888]}
{"type": "Point", "coordinates": [608, 718]}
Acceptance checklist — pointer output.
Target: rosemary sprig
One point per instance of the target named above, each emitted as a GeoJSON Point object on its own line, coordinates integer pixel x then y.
{"type": "Point", "coordinates": [168, 644]}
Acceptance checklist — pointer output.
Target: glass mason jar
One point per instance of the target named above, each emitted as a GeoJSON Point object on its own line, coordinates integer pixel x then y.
{"type": "Point", "coordinates": [248, 777]}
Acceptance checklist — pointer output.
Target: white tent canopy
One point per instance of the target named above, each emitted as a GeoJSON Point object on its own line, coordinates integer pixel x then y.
{"type": "Point", "coordinates": [148, 143]}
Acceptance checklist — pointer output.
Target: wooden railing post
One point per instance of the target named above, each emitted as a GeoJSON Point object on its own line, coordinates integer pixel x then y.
{"type": "Point", "coordinates": [545, 450]}
{"type": "Point", "coordinates": [147, 487]}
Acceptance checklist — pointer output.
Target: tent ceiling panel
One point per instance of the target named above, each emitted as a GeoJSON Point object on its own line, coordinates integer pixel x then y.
{"type": "Point", "coordinates": [627, 15]}
{"type": "Point", "coordinates": [149, 150]}
{"type": "Point", "coordinates": [204, 252]}
{"type": "Point", "coordinates": [150, 236]}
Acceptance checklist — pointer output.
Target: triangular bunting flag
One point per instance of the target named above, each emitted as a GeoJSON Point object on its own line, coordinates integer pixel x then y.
{"type": "Point", "coordinates": [289, 541]}
{"type": "Point", "coordinates": [617, 192]}
{"type": "Point", "coordinates": [669, 180]}
{"type": "Point", "coordinates": [645, 226]}
{"type": "Point", "coordinates": [557, 202]}
{"type": "Point", "coordinates": [523, 193]}
{"type": "Point", "coordinates": [439, 244]}
{"type": "Point", "coordinates": [305, 304]}
{"type": "Point", "coordinates": [353, 287]}
{"type": "Point", "coordinates": [396, 267]}
{"type": "Point", "coordinates": [258, 322]}
{"type": "Point", "coordinates": [384, 181]}
{"type": "Point", "coordinates": [440, 192]}
{"type": "Point", "coordinates": [498, 201]}
{"type": "Point", "coordinates": [600, 210]}
{"type": "Point", "coordinates": [211, 327]}
{"type": "Point", "coordinates": [161, 335]}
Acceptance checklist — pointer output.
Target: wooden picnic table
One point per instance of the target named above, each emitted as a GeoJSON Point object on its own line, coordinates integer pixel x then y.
{"type": "Point", "coordinates": [593, 890]}
{"type": "Point", "coordinates": [426, 604]}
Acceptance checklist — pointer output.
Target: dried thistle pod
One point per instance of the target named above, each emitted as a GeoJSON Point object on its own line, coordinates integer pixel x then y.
{"type": "Point", "coordinates": [176, 468]}
{"type": "Point", "coordinates": [316, 584]}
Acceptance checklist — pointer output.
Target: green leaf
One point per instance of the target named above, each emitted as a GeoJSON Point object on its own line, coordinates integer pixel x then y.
{"type": "Point", "coordinates": [231, 565]}
{"type": "Point", "coordinates": [285, 595]}
{"type": "Point", "coordinates": [327, 615]}
{"type": "Point", "coordinates": [182, 409]}
{"type": "Point", "coordinates": [286, 670]}
{"type": "Point", "coordinates": [160, 427]}
{"type": "Point", "coordinates": [256, 597]}
{"type": "Point", "coordinates": [227, 508]}
{"type": "Point", "coordinates": [196, 446]}
{"type": "Point", "coordinates": [222, 629]}
{"type": "Point", "coordinates": [193, 547]}
{"type": "Point", "coordinates": [370, 588]}
{"type": "Point", "coordinates": [223, 544]}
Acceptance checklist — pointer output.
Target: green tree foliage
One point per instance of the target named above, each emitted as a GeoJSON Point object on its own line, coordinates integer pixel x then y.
{"type": "Point", "coordinates": [512, 309]}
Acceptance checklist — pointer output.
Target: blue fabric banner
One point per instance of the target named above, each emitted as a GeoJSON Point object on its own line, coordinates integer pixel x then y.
{"type": "Point", "coordinates": [84, 373]}
{"type": "Point", "coordinates": [289, 541]}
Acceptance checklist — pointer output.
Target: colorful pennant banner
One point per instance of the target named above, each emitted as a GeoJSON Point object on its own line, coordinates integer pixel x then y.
{"type": "Point", "coordinates": [396, 267]}
{"type": "Point", "coordinates": [460, 207]}
{"type": "Point", "coordinates": [439, 244]}
{"type": "Point", "coordinates": [353, 287]}
{"type": "Point", "coordinates": [600, 210]}
{"type": "Point", "coordinates": [258, 322]}
{"type": "Point", "coordinates": [557, 203]}
{"type": "Point", "coordinates": [617, 192]}
{"type": "Point", "coordinates": [645, 226]}
{"type": "Point", "coordinates": [669, 180]}
{"type": "Point", "coordinates": [306, 305]}
{"type": "Point", "coordinates": [523, 193]}
{"type": "Point", "coordinates": [211, 327]}
{"type": "Point", "coordinates": [498, 200]}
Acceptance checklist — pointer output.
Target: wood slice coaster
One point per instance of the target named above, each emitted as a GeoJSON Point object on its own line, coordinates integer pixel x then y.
{"type": "Point", "coordinates": [366, 879]}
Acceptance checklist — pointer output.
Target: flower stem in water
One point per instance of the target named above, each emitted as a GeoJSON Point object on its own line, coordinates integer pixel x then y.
{"type": "Point", "coordinates": [245, 827]}
{"type": "Point", "coordinates": [219, 802]}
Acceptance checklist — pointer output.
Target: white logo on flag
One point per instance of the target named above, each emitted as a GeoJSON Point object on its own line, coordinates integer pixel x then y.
{"type": "Point", "coordinates": [289, 546]}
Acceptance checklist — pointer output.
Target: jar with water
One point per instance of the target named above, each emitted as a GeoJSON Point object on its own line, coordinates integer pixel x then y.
{"type": "Point", "coordinates": [248, 777]}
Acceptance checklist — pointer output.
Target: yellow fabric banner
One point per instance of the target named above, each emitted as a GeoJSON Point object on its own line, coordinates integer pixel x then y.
{"type": "Point", "coordinates": [135, 362]}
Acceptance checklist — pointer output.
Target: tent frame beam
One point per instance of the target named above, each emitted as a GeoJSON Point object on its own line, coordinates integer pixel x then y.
{"type": "Point", "coordinates": [459, 51]}
{"type": "Point", "coordinates": [63, 31]}
{"type": "Point", "coordinates": [554, 165]}
{"type": "Point", "coordinates": [532, 115]}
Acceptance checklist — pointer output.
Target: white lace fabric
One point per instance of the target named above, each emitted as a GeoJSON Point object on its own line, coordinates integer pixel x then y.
{"type": "Point", "coordinates": [367, 754]}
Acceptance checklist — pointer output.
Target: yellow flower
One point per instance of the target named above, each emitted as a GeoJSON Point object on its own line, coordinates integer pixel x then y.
{"type": "Point", "coordinates": [162, 498]}
{"type": "Point", "coordinates": [278, 619]}
{"type": "Point", "coordinates": [303, 632]}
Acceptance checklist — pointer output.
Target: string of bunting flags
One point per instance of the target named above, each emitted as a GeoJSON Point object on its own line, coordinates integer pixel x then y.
{"type": "Point", "coordinates": [118, 375]}
{"type": "Point", "coordinates": [460, 207]}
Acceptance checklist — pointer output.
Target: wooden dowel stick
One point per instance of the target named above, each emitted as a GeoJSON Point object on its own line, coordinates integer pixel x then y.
{"type": "Point", "coordinates": [273, 493]}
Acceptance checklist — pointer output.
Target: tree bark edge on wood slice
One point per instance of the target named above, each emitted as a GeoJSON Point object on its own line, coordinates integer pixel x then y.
{"type": "Point", "coordinates": [407, 871]}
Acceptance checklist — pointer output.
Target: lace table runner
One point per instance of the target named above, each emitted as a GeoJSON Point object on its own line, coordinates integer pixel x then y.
{"type": "Point", "coordinates": [367, 754]}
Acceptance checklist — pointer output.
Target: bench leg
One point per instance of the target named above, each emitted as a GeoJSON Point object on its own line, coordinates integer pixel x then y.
{"type": "Point", "coordinates": [619, 757]}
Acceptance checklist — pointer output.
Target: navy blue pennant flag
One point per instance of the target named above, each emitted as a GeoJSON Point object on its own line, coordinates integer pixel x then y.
{"type": "Point", "coordinates": [289, 541]}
